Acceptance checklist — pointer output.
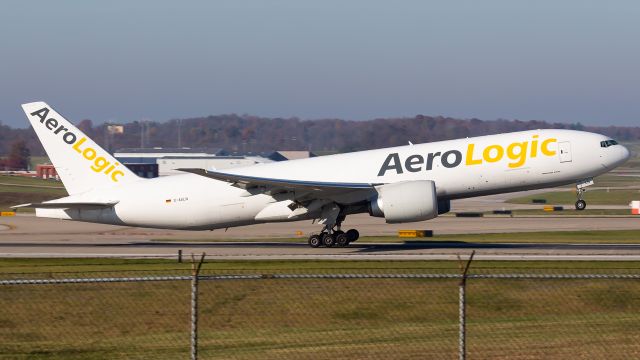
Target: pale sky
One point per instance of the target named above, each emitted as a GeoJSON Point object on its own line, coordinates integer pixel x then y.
{"type": "Point", "coordinates": [564, 61]}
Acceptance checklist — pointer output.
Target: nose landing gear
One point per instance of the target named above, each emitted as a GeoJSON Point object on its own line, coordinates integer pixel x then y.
{"type": "Point", "coordinates": [581, 204]}
{"type": "Point", "coordinates": [581, 188]}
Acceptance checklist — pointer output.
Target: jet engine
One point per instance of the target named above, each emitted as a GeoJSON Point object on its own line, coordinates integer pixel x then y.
{"type": "Point", "coordinates": [405, 201]}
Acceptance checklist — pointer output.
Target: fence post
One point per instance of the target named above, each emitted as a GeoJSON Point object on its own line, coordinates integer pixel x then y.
{"type": "Point", "coordinates": [462, 308]}
{"type": "Point", "coordinates": [195, 272]}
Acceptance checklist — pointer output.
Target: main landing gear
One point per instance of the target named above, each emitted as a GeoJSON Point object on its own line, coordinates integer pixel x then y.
{"type": "Point", "coordinates": [332, 236]}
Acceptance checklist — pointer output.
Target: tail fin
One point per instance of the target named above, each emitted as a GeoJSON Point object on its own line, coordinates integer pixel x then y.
{"type": "Point", "coordinates": [81, 163]}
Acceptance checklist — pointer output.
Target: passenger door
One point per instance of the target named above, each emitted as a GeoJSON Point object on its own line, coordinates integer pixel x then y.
{"type": "Point", "coordinates": [564, 151]}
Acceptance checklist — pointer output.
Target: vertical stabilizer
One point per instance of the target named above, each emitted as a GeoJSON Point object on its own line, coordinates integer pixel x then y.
{"type": "Point", "coordinates": [80, 162]}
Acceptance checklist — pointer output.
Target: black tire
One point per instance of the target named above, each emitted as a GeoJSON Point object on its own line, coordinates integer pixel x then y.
{"type": "Point", "coordinates": [581, 205]}
{"type": "Point", "coordinates": [352, 235]}
{"type": "Point", "coordinates": [328, 240]}
{"type": "Point", "coordinates": [336, 233]}
{"type": "Point", "coordinates": [315, 241]}
{"type": "Point", "coordinates": [342, 240]}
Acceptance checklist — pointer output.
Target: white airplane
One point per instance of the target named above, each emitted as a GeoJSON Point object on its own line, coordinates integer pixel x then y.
{"type": "Point", "coordinates": [402, 184]}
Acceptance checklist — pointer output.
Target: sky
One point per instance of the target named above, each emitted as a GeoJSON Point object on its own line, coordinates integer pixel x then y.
{"type": "Point", "coordinates": [560, 61]}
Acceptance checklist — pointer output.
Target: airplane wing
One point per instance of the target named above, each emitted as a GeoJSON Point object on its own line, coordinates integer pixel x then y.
{"type": "Point", "coordinates": [272, 185]}
{"type": "Point", "coordinates": [67, 205]}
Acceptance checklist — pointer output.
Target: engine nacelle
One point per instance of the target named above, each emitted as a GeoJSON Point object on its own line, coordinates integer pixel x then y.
{"type": "Point", "coordinates": [405, 201]}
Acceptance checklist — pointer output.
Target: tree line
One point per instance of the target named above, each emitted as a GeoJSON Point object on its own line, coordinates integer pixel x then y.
{"type": "Point", "coordinates": [246, 133]}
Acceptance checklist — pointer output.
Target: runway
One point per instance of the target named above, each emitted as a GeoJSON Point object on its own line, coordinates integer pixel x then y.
{"type": "Point", "coordinates": [31, 229]}
{"type": "Point", "coordinates": [27, 236]}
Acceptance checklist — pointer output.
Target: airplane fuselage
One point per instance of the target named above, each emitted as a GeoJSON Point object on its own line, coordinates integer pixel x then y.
{"type": "Point", "coordinates": [460, 168]}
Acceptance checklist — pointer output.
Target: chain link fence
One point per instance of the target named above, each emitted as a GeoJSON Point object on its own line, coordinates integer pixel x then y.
{"type": "Point", "coordinates": [306, 315]}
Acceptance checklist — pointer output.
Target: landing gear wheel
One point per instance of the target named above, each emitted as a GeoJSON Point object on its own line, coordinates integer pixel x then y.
{"type": "Point", "coordinates": [328, 240]}
{"type": "Point", "coordinates": [580, 190]}
{"type": "Point", "coordinates": [342, 240]}
{"type": "Point", "coordinates": [352, 235]}
{"type": "Point", "coordinates": [315, 241]}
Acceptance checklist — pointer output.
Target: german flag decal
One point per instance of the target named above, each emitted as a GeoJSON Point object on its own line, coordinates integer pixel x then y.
{"type": "Point", "coordinates": [167, 201]}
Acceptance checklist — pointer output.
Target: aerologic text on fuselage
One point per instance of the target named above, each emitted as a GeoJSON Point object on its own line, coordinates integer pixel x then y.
{"type": "Point", "coordinates": [516, 153]}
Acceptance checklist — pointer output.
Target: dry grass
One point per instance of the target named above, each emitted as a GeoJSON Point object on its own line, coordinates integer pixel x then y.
{"type": "Point", "coordinates": [323, 319]}
{"type": "Point", "coordinates": [16, 190]}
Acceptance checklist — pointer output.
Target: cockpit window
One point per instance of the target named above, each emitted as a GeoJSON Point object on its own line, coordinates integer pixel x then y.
{"type": "Point", "coordinates": [608, 143]}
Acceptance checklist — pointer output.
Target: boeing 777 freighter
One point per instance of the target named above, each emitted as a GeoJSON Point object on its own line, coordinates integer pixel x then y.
{"type": "Point", "coordinates": [401, 184]}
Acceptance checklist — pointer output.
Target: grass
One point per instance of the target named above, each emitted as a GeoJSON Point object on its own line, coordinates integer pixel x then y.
{"type": "Point", "coordinates": [32, 268]}
{"type": "Point", "coordinates": [17, 190]}
{"type": "Point", "coordinates": [573, 212]}
{"type": "Point", "coordinates": [54, 268]}
{"type": "Point", "coordinates": [8, 180]}
{"type": "Point", "coordinates": [322, 318]}
{"type": "Point", "coordinates": [594, 197]}
{"type": "Point", "coordinates": [582, 237]}
{"type": "Point", "coordinates": [615, 180]}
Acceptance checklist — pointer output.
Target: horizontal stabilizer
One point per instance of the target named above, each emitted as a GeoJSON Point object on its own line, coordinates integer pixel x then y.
{"type": "Point", "coordinates": [68, 205]}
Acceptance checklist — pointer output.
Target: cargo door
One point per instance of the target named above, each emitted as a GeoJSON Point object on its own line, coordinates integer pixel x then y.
{"type": "Point", "coordinates": [564, 150]}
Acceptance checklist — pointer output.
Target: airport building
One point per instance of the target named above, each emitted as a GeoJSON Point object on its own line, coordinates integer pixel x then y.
{"type": "Point", "coordinates": [167, 165]}
{"type": "Point", "coordinates": [150, 155]}
{"type": "Point", "coordinates": [46, 171]}
{"type": "Point", "coordinates": [144, 161]}
{"type": "Point", "coordinates": [156, 162]}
